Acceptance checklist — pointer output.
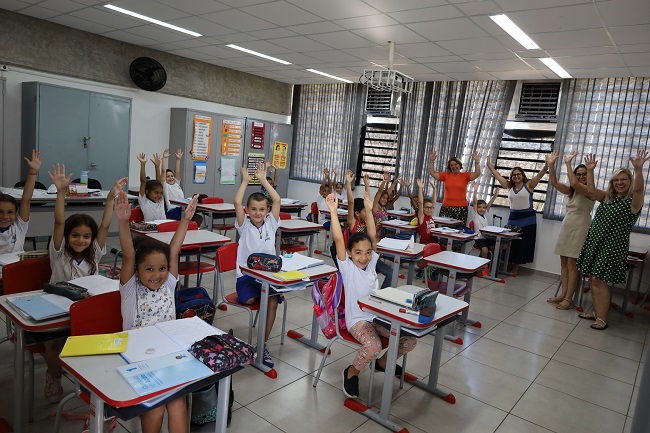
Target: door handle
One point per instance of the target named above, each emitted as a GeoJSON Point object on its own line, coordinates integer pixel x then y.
{"type": "Point", "coordinates": [93, 165]}
{"type": "Point", "coordinates": [86, 140]}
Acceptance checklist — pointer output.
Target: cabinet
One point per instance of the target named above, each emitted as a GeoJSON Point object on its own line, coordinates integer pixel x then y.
{"type": "Point", "coordinates": [83, 130]}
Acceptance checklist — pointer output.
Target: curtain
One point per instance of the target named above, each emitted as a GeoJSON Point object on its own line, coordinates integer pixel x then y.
{"type": "Point", "coordinates": [327, 119]}
{"type": "Point", "coordinates": [609, 117]}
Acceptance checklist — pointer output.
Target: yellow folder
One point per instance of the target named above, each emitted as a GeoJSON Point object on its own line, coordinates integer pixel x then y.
{"type": "Point", "coordinates": [99, 344]}
{"type": "Point", "coordinates": [290, 275]}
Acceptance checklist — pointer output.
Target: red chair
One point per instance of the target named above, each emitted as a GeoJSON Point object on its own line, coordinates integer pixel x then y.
{"type": "Point", "coordinates": [291, 247]}
{"type": "Point", "coordinates": [20, 277]}
{"type": "Point", "coordinates": [136, 215]}
{"type": "Point", "coordinates": [224, 226]}
{"type": "Point", "coordinates": [227, 261]}
{"type": "Point", "coordinates": [99, 314]}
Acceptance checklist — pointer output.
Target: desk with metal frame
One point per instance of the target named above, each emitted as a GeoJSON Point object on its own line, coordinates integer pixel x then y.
{"type": "Point", "coordinates": [501, 236]}
{"type": "Point", "coordinates": [411, 256]}
{"type": "Point", "coordinates": [296, 228]}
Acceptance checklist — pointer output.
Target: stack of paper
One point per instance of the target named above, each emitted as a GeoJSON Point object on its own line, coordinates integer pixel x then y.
{"type": "Point", "coordinates": [494, 229]}
{"type": "Point", "coordinates": [97, 284]}
{"type": "Point", "coordinates": [395, 296]}
{"type": "Point", "coordinates": [290, 275]}
{"type": "Point", "coordinates": [40, 306]}
{"type": "Point", "coordinates": [394, 244]}
{"type": "Point", "coordinates": [298, 261]}
{"type": "Point", "coordinates": [289, 201]}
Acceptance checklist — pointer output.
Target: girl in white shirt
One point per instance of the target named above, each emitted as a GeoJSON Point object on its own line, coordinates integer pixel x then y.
{"type": "Point", "coordinates": [171, 182]}
{"type": "Point", "coordinates": [357, 267]}
{"type": "Point", "coordinates": [147, 283]}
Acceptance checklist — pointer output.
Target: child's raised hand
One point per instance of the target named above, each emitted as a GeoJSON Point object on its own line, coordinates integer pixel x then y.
{"type": "Point", "coordinates": [590, 161]}
{"type": "Point", "coordinates": [569, 157]}
{"type": "Point", "coordinates": [268, 164]}
{"type": "Point", "coordinates": [419, 182]}
{"type": "Point", "coordinates": [367, 202]}
{"type": "Point", "coordinates": [386, 176]}
{"type": "Point", "coordinates": [179, 154]}
{"type": "Point", "coordinates": [191, 208]}
{"type": "Point", "coordinates": [165, 154]}
{"type": "Point", "coordinates": [407, 183]}
{"type": "Point", "coordinates": [34, 164]}
{"type": "Point", "coordinates": [641, 158]}
{"type": "Point", "coordinates": [497, 190]}
{"type": "Point", "coordinates": [58, 177]}
{"type": "Point", "coordinates": [260, 171]}
{"type": "Point", "coordinates": [332, 202]}
{"type": "Point", "coordinates": [156, 159]}
{"type": "Point", "coordinates": [349, 176]}
{"type": "Point", "coordinates": [118, 185]}
{"type": "Point", "coordinates": [121, 206]}
{"type": "Point", "coordinates": [142, 158]}
{"type": "Point", "coordinates": [476, 156]}
{"type": "Point", "coordinates": [433, 156]}
{"type": "Point", "coordinates": [552, 157]}
{"type": "Point", "coordinates": [245, 175]}
{"type": "Point", "coordinates": [366, 179]}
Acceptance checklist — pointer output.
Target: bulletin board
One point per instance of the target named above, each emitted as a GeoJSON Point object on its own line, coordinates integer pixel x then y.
{"type": "Point", "coordinates": [201, 138]}
{"type": "Point", "coordinates": [280, 152]}
{"type": "Point", "coordinates": [231, 137]}
{"type": "Point", "coordinates": [258, 129]}
{"type": "Point", "coordinates": [254, 159]}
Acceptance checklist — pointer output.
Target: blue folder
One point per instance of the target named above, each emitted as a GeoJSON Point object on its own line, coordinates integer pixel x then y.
{"type": "Point", "coordinates": [38, 307]}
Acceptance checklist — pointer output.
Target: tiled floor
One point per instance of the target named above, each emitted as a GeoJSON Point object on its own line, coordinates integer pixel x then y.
{"type": "Point", "coordinates": [529, 368]}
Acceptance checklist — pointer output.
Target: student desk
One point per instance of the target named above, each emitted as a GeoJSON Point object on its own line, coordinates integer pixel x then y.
{"type": "Point", "coordinates": [401, 214]}
{"type": "Point", "coordinates": [267, 280]}
{"type": "Point", "coordinates": [342, 214]}
{"type": "Point", "coordinates": [447, 309]}
{"type": "Point", "coordinates": [218, 210]}
{"type": "Point", "coordinates": [454, 264]}
{"type": "Point", "coordinates": [108, 389]}
{"type": "Point", "coordinates": [411, 255]}
{"type": "Point", "coordinates": [41, 217]}
{"type": "Point", "coordinates": [400, 226]}
{"type": "Point", "coordinates": [292, 207]}
{"type": "Point", "coordinates": [296, 228]}
{"type": "Point", "coordinates": [501, 235]}
{"type": "Point", "coordinates": [446, 221]}
{"type": "Point", "coordinates": [453, 235]}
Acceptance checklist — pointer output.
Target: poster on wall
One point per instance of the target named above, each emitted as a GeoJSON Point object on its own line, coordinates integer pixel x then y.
{"type": "Point", "coordinates": [280, 151]}
{"type": "Point", "coordinates": [200, 171]}
{"type": "Point", "coordinates": [228, 170]}
{"type": "Point", "coordinates": [253, 160]}
{"type": "Point", "coordinates": [231, 136]}
{"type": "Point", "coordinates": [201, 138]}
{"type": "Point", "coordinates": [257, 135]}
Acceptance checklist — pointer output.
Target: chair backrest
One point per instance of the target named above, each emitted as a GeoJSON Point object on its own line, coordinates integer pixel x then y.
{"type": "Point", "coordinates": [98, 314]}
{"type": "Point", "coordinates": [92, 183]}
{"type": "Point", "coordinates": [430, 249]}
{"type": "Point", "coordinates": [26, 275]}
{"type": "Point", "coordinates": [314, 208]}
{"type": "Point", "coordinates": [471, 225]}
{"type": "Point", "coordinates": [227, 257]}
{"type": "Point", "coordinates": [136, 215]}
{"type": "Point", "coordinates": [37, 185]}
{"type": "Point", "coordinates": [171, 226]}
{"type": "Point", "coordinates": [285, 216]}
{"type": "Point", "coordinates": [212, 200]}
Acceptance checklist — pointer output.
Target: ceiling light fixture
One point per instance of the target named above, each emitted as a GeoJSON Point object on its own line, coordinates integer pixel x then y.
{"type": "Point", "coordinates": [513, 30]}
{"type": "Point", "coordinates": [314, 71]}
{"type": "Point", "coordinates": [152, 20]}
{"type": "Point", "coordinates": [255, 53]}
{"type": "Point", "coordinates": [555, 67]}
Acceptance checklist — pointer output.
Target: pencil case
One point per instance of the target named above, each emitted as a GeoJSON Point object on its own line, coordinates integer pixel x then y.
{"type": "Point", "coordinates": [67, 290]}
{"type": "Point", "coordinates": [264, 262]}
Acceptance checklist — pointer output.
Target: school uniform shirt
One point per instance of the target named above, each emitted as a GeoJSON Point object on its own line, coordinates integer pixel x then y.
{"type": "Point", "coordinates": [357, 283]}
{"type": "Point", "coordinates": [425, 229]}
{"type": "Point", "coordinates": [172, 192]}
{"type": "Point", "coordinates": [13, 239]}
{"type": "Point", "coordinates": [255, 239]}
{"type": "Point", "coordinates": [66, 268]}
{"type": "Point", "coordinates": [142, 306]}
{"type": "Point", "coordinates": [480, 221]}
{"type": "Point", "coordinates": [152, 211]}
{"type": "Point", "coordinates": [321, 202]}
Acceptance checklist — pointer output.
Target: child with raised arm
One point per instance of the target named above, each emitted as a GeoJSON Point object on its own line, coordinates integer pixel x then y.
{"type": "Point", "coordinates": [394, 192]}
{"type": "Point", "coordinates": [14, 219]}
{"type": "Point", "coordinates": [338, 187]}
{"type": "Point", "coordinates": [357, 261]}
{"type": "Point", "coordinates": [171, 182]}
{"type": "Point", "coordinates": [273, 181]}
{"type": "Point", "coordinates": [147, 284]}
{"type": "Point", "coordinates": [379, 211]}
{"type": "Point", "coordinates": [480, 220]}
{"type": "Point", "coordinates": [75, 250]}
{"type": "Point", "coordinates": [324, 190]}
{"type": "Point", "coordinates": [256, 235]}
{"type": "Point", "coordinates": [151, 197]}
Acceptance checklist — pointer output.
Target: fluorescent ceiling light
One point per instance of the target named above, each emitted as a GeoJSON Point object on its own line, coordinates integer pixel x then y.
{"type": "Point", "coordinates": [152, 20]}
{"type": "Point", "coordinates": [329, 75]}
{"type": "Point", "coordinates": [555, 67]}
{"type": "Point", "coordinates": [255, 53]}
{"type": "Point", "coordinates": [513, 30]}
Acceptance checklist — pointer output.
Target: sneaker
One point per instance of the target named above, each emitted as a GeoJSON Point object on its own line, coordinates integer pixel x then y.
{"type": "Point", "coordinates": [53, 388]}
{"type": "Point", "coordinates": [419, 274]}
{"type": "Point", "coordinates": [350, 386]}
{"type": "Point", "coordinates": [379, 368]}
{"type": "Point", "coordinates": [266, 359]}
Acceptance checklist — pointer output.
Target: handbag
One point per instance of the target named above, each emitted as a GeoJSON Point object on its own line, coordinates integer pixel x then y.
{"type": "Point", "coordinates": [143, 227]}
{"type": "Point", "coordinates": [264, 262]}
{"type": "Point", "coordinates": [515, 229]}
{"type": "Point", "coordinates": [223, 352]}
{"type": "Point", "coordinates": [65, 289]}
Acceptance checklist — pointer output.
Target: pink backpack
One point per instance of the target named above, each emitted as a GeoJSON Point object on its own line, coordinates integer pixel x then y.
{"type": "Point", "coordinates": [328, 296]}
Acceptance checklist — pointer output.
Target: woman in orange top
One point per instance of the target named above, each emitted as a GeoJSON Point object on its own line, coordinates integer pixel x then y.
{"type": "Point", "coordinates": [454, 199]}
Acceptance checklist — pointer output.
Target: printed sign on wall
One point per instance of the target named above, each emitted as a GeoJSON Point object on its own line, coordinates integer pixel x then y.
{"type": "Point", "coordinates": [201, 138]}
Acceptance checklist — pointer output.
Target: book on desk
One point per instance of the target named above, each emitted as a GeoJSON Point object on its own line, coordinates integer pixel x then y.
{"type": "Point", "coordinates": [40, 306]}
{"type": "Point", "coordinates": [97, 344]}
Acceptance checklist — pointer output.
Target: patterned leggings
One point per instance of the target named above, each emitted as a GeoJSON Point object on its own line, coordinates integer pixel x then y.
{"type": "Point", "coordinates": [367, 333]}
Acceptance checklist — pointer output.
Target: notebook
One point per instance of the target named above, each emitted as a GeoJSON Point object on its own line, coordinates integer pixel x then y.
{"type": "Point", "coordinates": [394, 244]}
{"type": "Point", "coordinates": [290, 275]}
{"type": "Point", "coordinates": [99, 344]}
{"type": "Point", "coordinates": [40, 306]}
{"type": "Point", "coordinates": [298, 261]}
{"type": "Point", "coordinates": [395, 296]}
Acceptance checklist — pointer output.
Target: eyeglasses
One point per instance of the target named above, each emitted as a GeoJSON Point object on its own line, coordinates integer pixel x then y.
{"type": "Point", "coordinates": [581, 174]}
{"type": "Point", "coordinates": [429, 207]}
{"type": "Point", "coordinates": [517, 174]}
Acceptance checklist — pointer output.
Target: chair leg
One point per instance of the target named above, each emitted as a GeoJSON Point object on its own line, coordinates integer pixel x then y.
{"type": "Point", "coordinates": [322, 362]}
{"type": "Point", "coordinates": [401, 378]}
{"type": "Point", "coordinates": [34, 242]}
{"type": "Point", "coordinates": [189, 411]}
{"type": "Point", "coordinates": [59, 411]}
{"type": "Point", "coordinates": [284, 321]}
{"type": "Point", "coordinates": [30, 386]}
{"type": "Point", "coordinates": [372, 377]}
{"type": "Point", "coordinates": [257, 313]}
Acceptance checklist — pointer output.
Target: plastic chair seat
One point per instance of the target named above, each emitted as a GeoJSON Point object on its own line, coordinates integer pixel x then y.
{"type": "Point", "coordinates": [293, 248]}
{"type": "Point", "coordinates": [232, 299]}
{"type": "Point", "coordinates": [460, 289]}
{"type": "Point", "coordinates": [194, 267]}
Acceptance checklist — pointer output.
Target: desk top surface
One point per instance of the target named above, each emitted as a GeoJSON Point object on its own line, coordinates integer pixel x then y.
{"type": "Point", "coordinates": [192, 237]}
{"type": "Point", "coordinates": [42, 196]}
{"type": "Point", "coordinates": [299, 224]}
{"type": "Point", "coordinates": [452, 234]}
{"type": "Point", "coordinates": [313, 273]}
{"type": "Point", "coordinates": [499, 232]}
{"type": "Point", "coordinates": [399, 224]}
{"type": "Point", "coordinates": [416, 251]}
{"type": "Point", "coordinates": [458, 261]}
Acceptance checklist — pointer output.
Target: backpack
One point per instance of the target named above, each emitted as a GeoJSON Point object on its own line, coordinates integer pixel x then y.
{"type": "Point", "coordinates": [328, 295]}
{"type": "Point", "coordinates": [194, 301]}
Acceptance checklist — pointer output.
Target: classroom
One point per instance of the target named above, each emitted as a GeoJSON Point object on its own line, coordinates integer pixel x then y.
{"type": "Point", "coordinates": [461, 87]}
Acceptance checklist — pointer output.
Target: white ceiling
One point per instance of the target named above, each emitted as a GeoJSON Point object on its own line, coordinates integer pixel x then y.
{"type": "Point", "coordinates": [436, 39]}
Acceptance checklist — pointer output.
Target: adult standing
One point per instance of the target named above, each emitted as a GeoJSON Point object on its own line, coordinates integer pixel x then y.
{"type": "Point", "coordinates": [520, 193]}
{"type": "Point", "coordinates": [574, 227]}
{"type": "Point", "coordinates": [604, 253]}
{"type": "Point", "coordinates": [454, 197]}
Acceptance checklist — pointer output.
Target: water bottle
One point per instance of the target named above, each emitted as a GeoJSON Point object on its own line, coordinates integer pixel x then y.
{"type": "Point", "coordinates": [322, 318]}
{"type": "Point", "coordinates": [84, 178]}
{"type": "Point", "coordinates": [411, 243]}
{"type": "Point", "coordinates": [103, 273]}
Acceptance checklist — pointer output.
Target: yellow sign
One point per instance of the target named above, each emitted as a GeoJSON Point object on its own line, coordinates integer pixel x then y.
{"type": "Point", "coordinates": [280, 152]}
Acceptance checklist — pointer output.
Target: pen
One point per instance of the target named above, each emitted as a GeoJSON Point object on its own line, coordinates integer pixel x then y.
{"type": "Point", "coordinates": [404, 310]}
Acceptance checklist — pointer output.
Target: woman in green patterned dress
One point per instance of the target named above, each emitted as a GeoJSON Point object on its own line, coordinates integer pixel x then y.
{"type": "Point", "coordinates": [604, 252]}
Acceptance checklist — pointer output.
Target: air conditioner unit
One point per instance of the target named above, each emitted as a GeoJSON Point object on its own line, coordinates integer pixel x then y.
{"type": "Point", "coordinates": [535, 101]}
{"type": "Point", "coordinates": [383, 103]}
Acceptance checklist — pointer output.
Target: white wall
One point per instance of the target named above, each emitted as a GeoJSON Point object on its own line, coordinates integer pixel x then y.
{"type": "Point", "coordinates": [149, 118]}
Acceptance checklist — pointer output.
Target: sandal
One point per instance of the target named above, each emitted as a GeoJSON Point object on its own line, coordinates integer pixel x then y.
{"type": "Point", "coordinates": [599, 325]}
{"type": "Point", "coordinates": [563, 306]}
{"type": "Point", "coordinates": [555, 299]}
{"type": "Point", "coordinates": [587, 316]}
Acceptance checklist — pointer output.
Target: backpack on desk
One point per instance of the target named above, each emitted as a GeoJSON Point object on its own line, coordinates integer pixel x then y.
{"type": "Point", "coordinates": [194, 301]}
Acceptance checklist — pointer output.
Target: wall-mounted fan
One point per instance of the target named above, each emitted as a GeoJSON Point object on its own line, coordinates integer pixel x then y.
{"type": "Point", "coordinates": [148, 74]}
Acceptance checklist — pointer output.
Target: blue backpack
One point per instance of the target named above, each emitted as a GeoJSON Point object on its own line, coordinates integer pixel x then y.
{"type": "Point", "coordinates": [194, 301]}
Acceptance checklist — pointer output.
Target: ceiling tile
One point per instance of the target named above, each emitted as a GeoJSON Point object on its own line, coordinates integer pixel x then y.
{"type": "Point", "coordinates": [226, 63]}
{"type": "Point", "coordinates": [502, 65]}
{"type": "Point", "coordinates": [440, 59]}
{"type": "Point", "coordinates": [560, 52]}
{"type": "Point", "coordinates": [448, 29]}
{"type": "Point", "coordinates": [278, 32]}
{"type": "Point", "coordinates": [63, 6]}
{"type": "Point", "coordinates": [130, 38]}
{"type": "Point", "coordinates": [640, 71]}
{"type": "Point", "coordinates": [576, 39]}
{"type": "Point", "coordinates": [190, 54]}
{"type": "Point", "coordinates": [583, 62]}
{"type": "Point", "coordinates": [470, 76]}
{"type": "Point", "coordinates": [76, 23]}
{"type": "Point", "coordinates": [426, 14]}
{"type": "Point", "coordinates": [236, 19]}
{"type": "Point", "coordinates": [635, 48]}
{"type": "Point", "coordinates": [264, 47]}
{"type": "Point", "coordinates": [519, 75]}
{"type": "Point", "coordinates": [38, 12]}
{"type": "Point", "coordinates": [191, 43]}
{"type": "Point", "coordinates": [157, 33]}
{"type": "Point", "coordinates": [473, 46]}
{"type": "Point", "coordinates": [604, 73]}
{"type": "Point", "coordinates": [151, 9]}
{"type": "Point", "coordinates": [378, 52]}
{"type": "Point", "coordinates": [299, 44]}
{"type": "Point", "coordinates": [421, 50]}
{"type": "Point", "coordinates": [334, 56]}
{"type": "Point", "coordinates": [344, 39]}
{"type": "Point", "coordinates": [237, 38]}
{"type": "Point", "coordinates": [637, 59]}
{"type": "Point", "coordinates": [630, 34]}
{"type": "Point", "coordinates": [302, 59]}
{"type": "Point", "coordinates": [107, 17]}
{"type": "Point", "coordinates": [367, 22]}
{"type": "Point", "coordinates": [200, 25]}
{"type": "Point", "coordinates": [298, 73]}
{"type": "Point", "coordinates": [219, 52]}
{"type": "Point", "coordinates": [557, 19]}
{"type": "Point", "coordinates": [163, 47]}
{"type": "Point", "coordinates": [429, 77]}
{"type": "Point", "coordinates": [453, 67]}
{"type": "Point", "coordinates": [336, 9]}
{"type": "Point", "coordinates": [485, 7]}
{"type": "Point", "coordinates": [505, 55]}
{"type": "Point", "coordinates": [83, 2]}
{"type": "Point", "coordinates": [402, 5]}
{"type": "Point", "coordinates": [398, 33]}
{"type": "Point", "coordinates": [522, 5]}
{"type": "Point", "coordinates": [321, 27]}
{"type": "Point", "coordinates": [195, 7]}
{"type": "Point", "coordinates": [13, 5]}
{"type": "Point", "coordinates": [254, 61]}
{"type": "Point", "coordinates": [281, 13]}
{"type": "Point", "coordinates": [413, 68]}
{"type": "Point", "coordinates": [624, 12]}
{"type": "Point", "coordinates": [242, 3]}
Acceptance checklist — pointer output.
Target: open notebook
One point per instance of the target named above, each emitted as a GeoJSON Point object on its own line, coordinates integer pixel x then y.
{"type": "Point", "coordinates": [297, 262]}
{"type": "Point", "coordinates": [395, 296]}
